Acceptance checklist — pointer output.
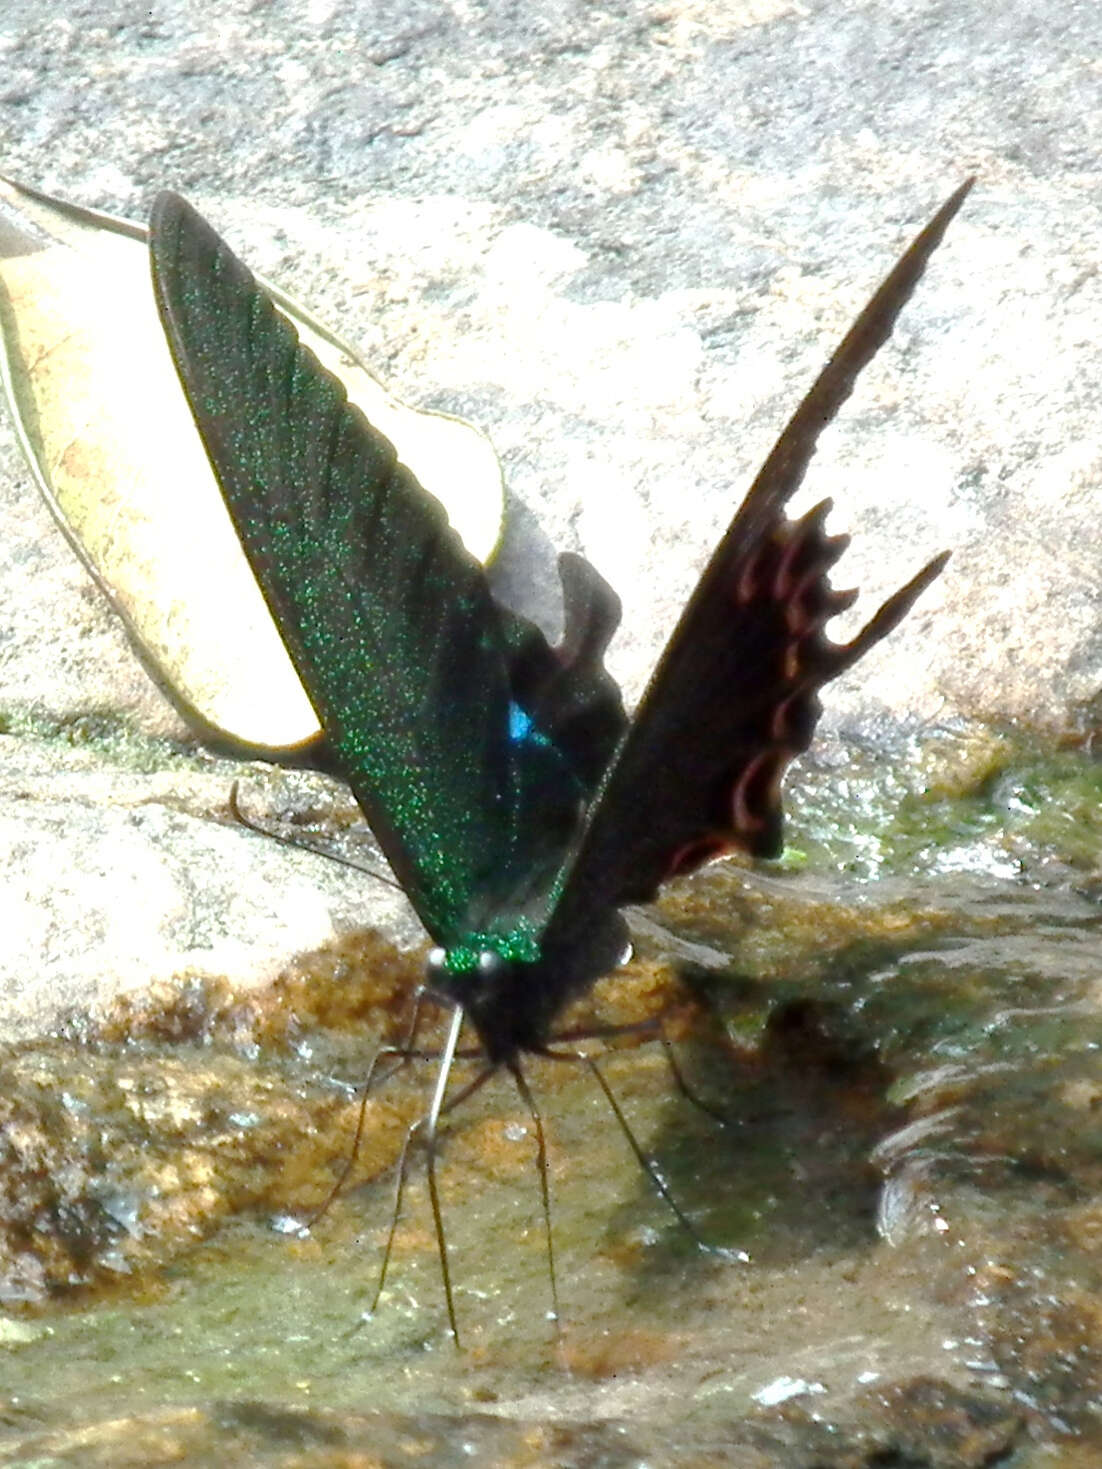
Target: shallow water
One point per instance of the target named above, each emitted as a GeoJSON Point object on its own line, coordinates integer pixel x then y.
{"type": "Point", "coordinates": [909, 1074]}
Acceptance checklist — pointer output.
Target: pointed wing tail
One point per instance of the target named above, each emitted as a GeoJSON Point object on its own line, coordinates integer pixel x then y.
{"type": "Point", "coordinates": [735, 695]}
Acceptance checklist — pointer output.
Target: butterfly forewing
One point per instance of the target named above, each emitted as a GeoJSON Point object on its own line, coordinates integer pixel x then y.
{"type": "Point", "coordinates": [388, 619]}
{"type": "Point", "coordinates": [734, 697]}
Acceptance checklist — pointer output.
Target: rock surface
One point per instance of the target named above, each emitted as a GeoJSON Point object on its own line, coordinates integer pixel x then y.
{"type": "Point", "coordinates": [622, 238]}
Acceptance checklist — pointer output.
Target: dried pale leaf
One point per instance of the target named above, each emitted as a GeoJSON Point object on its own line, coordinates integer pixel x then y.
{"type": "Point", "coordinates": [112, 446]}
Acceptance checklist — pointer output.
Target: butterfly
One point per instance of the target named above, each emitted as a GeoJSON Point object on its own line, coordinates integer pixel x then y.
{"type": "Point", "coordinates": [517, 804]}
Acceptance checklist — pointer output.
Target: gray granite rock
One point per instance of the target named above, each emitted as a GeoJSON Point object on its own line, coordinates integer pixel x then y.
{"type": "Point", "coordinates": [622, 238]}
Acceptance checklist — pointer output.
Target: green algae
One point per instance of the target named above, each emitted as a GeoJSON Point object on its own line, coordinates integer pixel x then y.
{"type": "Point", "coordinates": [973, 799]}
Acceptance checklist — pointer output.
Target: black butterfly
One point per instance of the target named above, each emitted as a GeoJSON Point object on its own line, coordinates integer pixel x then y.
{"type": "Point", "coordinates": [516, 803]}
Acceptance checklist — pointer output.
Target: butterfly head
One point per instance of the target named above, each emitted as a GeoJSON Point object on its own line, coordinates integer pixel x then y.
{"type": "Point", "coordinates": [487, 977]}
{"type": "Point", "coordinates": [514, 985]}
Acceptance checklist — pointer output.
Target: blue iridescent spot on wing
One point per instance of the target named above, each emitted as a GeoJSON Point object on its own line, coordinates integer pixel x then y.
{"type": "Point", "coordinates": [522, 730]}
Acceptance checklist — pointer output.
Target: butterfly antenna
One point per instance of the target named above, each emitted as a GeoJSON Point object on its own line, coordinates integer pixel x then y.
{"type": "Point", "coordinates": [544, 1172]}
{"type": "Point", "coordinates": [300, 846]}
{"type": "Point", "coordinates": [405, 1053]}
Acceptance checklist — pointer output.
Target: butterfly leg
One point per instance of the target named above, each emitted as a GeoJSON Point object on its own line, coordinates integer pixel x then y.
{"type": "Point", "coordinates": [427, 1126]}
{"type": "Point", "coordinates": [426, 1123]}
{"type": "Point", "coordinates": [404, 1052]}
{"type": "Point", "coordinates": [395, 1215]}
{"type": "Point", "coordinates": [648, 1029]}
{"type": "Point", "coordinates": [545, 1191]}
{"type": "Point", "coordinates": [431, 1119]}
{"type": "Point", "coordinates": [652, 1029]}
{"type": "Point", "coordinates": [680, 1081]}
{"type": "Point", "coordinates": [648, 1165]}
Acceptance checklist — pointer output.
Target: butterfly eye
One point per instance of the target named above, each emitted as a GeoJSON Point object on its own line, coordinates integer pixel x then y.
{"type": "Point", "coordinates": [436, 965]}
{"type": "Point", "coordinates": [491, 965]}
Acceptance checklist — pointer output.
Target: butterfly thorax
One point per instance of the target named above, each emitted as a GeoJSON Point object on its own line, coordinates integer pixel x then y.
{"type": "Point", "coordinates": [513, 986]}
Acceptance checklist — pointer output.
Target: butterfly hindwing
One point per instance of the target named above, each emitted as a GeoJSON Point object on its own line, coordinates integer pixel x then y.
{"type": "Point", "coordinates": [388, 619]}
{"type": "Point", "coordinates": [734, 697]}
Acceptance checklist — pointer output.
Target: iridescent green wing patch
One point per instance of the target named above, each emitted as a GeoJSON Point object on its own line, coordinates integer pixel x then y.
{"type": "Point", "coordinates": [387, 618]}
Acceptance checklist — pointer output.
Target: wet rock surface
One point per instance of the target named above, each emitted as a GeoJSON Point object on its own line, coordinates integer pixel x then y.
{"type": "Point", "coordinates": [622, 238]}
{"type": "Point", "coordinates": [908, 1153]}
